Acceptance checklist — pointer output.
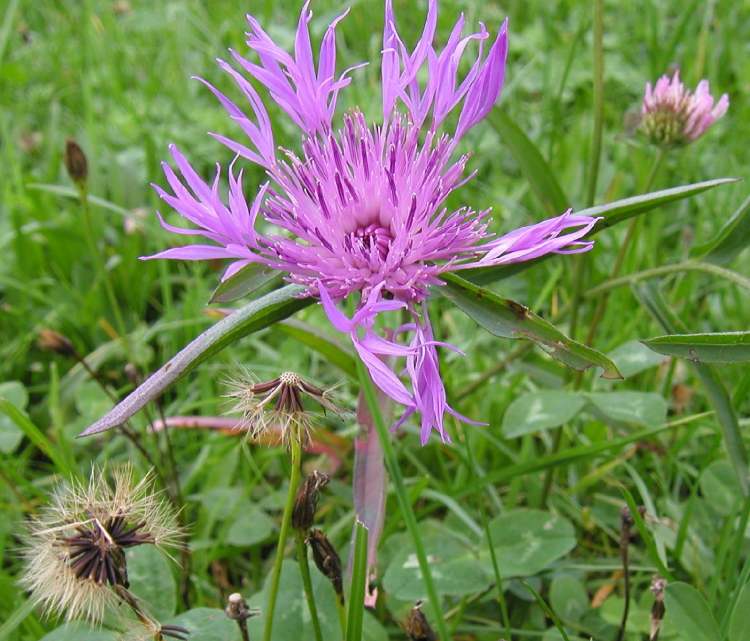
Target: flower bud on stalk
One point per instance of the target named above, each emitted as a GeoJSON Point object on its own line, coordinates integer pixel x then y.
{"type": "Point", "coordinates": [416, 626]}
{"type": "Point", "coordinates": [76, 163]}
{"type": "Point", "coordinates": [306, 502]}
{"type": "Point", "coordinates": [658, 587]}
{"type": "Point", "coordinates": [237, 610]}
{"type": "Point", "coordinates": [51, 341]}
{"type": "Point", "coordinates": [327, 560]}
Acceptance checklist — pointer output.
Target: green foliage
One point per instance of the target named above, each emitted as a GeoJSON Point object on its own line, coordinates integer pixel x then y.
{"type": "Point", "coordinates": [545, 475]}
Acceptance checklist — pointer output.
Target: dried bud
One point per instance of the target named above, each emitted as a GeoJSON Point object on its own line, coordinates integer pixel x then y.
{"type": "Point", "coordinates": [658, 586]}
{"type": "Point", "coordinates": [416, 626]}
{"type": "Point", "coordinates": [51, 341]}
{"type": "Point", "coordinates": [237, 609]}
{"type": "Point", "coordinates": [306, 502]}
{"type": "Point", "coordinates": [327, 560]}
{"type": "Point", "coordinates": [277, 405]}
{"type": "Point", "coordinates": [75, 162]}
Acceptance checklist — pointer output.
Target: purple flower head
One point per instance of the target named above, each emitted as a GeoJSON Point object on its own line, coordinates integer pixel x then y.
{"type": "Point", "coordinates": [360, 210]}
{"type": "Point", "coordinates": [672, 115]}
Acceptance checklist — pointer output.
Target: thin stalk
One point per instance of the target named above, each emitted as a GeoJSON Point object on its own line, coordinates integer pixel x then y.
{"type": "Point", "coordinates": [579, 274]}
{"type": "Point", "coordinates": [403, 501]}
{"type": "Point", "coordinates": [286, 520]}
{"type": "Point", "coordinates": [304, 569]}
{"type": "Point", "coordinates": [99, 258]}
{"type": "Point", "coordinates": [622, 253]}
{"type": "Point", "coordinates": [498, 583]}
{"type": "Point", "coordinates": [356, 613]}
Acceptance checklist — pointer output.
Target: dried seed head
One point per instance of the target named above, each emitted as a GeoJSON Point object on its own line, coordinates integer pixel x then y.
{"type": "Point", "coordinates": [306, 502]}
{"type": "Point", "coordinates": [76, 163]}
{"type": "Point", "coordinates": [277, 405]}
{"type": "Point", "coordinates": [74, 549]}
{"type": "Point", "coordinates": [416, 626]}
{"type": "Point", "coordinates": [327, 560]}
{"type": "Point", "coordinates": [51, 341]}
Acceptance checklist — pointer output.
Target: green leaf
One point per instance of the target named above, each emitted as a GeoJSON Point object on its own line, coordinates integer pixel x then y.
{"type": "Point", "coordinates": [568, 598]}
{"type": "Point", "coordinates": [528, 541]}
{"type": "Point", "coordinates": [531, 162]}
{"type": "Point", "coordinates": [633, 358]}
{"type": "Point", "coordinates": [292, 615]}
{"type": "Point", "coordinates": [739, 621]}
{"type": "Point", "coordinates": [207, 624]}
{"type": "Point", "coordinates": [535, 411]}
{"type": "Point", "coordinates": [331, 349]}
{"type": "Point", "coordinates": [250, 526]}
{"type": "Point", "coordinates": [152, 581]}
{"type": "Point", "coordinates": [256, 315]}
{"type": "Point", "coordinates": [246, 281]}
{"type": "Point", "coordinates": [10, 434]}
{"type": "Point", "coordinates": [455, 564]}
{"type": "Point", "coordinates": [732, 238]}
{"type": "Point", "coordinates": [612, 214]}
{"type": "Point", "coordinates": [719, 485]}
{"type": "Point", "coordinates": [356, 610]}
{"type": "Point", "coordinates": [640, 408]}
{"type": "Point", "coordinates": [508, 319]}
{"type": "Point", "coordinates": [721, 347]}
{"type": "Point", "coordinates": [77, 631]}
{"type": "Point", "coordinates": [689, 614]}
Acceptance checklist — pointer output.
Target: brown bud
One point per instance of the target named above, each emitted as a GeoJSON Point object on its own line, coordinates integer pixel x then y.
{"type": "Point", "coordinates": [326, 559]}
{"type": "Point", "coordinates": [237, 608]}
{"type": "Point", "coordinates": [75, 162]}
{"type": "Point", "coordinates": [416, 626]}
{"type": "Point", "coordinates": [51, 341]}
{"type": "Point", "coordinates": [658, 586]}
{"type": "Point", "coordinates": [307, 500]}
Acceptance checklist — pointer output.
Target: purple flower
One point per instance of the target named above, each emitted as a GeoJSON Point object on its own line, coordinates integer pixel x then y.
{"type": "Point", "coordinates": [361, 209]}
{"type": "Point", "coordinates": [671, 115]}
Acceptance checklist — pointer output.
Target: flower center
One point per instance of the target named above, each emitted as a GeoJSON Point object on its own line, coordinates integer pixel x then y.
{"type": "Point", "coordinates": [369, 240]}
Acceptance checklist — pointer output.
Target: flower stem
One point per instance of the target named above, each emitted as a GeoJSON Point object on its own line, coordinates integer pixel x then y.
{"type": "Point", "coordinates": [403, 501]}
{"type": "Point", "coordinates": [304, 569]}
{"type": "Point", "coordinates": [286, 519]}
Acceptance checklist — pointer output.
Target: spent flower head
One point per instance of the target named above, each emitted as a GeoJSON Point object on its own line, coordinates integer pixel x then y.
{"type": "Point", "coordinates": [277, 405]}
{"type": "Point", "coordinates": [75, 548]}
{"type": "Point", "coordinates": [361, 209]}
{"type": "Point", "coordinates": [672, 115]}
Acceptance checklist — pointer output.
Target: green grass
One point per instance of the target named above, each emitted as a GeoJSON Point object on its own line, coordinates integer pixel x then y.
{"type": "Point", "coordinates": [115, 76]}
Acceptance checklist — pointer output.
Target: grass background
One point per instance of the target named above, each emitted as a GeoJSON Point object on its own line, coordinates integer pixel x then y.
{"type": "Point", "coordinates": [115, 76]}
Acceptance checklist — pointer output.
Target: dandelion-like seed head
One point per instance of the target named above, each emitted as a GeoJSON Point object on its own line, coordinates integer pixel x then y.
{"type": "Point", "coordinates": [277, 406]}
{"type": "Point", "coordinates": [672, 115]}
{"type": "Point", "coordinates": [75, 548]}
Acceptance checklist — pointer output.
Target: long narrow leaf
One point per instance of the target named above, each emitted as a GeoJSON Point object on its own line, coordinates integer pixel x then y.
{"type": "Point", "coordinates": [731, 239]}
{"type": "Point", "coordinates": [508, 319]}
{"type": "Point", "coordinates": [717, 394]}
{"type": "Point", "coordinates": [612, 214]}
{"type": "Point", "coordinates": [246, 281]}
{"type": "Point", "coordinates": [723, 347]}
{"type": "Point", "coordinates": [256, 315]}
{"type": "Point", "coordinates": [356, 613]}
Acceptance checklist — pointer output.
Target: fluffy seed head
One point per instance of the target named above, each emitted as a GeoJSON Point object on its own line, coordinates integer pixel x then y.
{"type": "Point", "coordinates": [672, 115]}
{"type": "Point", "coordinates": [277, 405]}
{"type": "Point", "coordinates": [75, 548]}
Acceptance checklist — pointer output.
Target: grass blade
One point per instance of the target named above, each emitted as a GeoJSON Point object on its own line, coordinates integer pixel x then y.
{"type": "Point", "coordinates": [721, 347]}
{"type": "Point", "coordinates": [356, 613]}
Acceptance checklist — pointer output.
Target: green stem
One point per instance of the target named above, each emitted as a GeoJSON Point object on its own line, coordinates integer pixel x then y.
{"type": "Point", "coordinates": [286, 519]}
{"type": "Point", "coordinates": [596, 138]}
{"type": "Point", "coordinates": [403, 500]}
{"type": "Point", "coordinates": [685, 266]}
{"type": "Point", "coordinates": [304, 568]}
{"type": "Point", "coordinates": [99, 258]}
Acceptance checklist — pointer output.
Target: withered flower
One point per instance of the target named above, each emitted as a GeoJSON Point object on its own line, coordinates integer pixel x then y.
{"type": "Point", "coordinates": [306, 502]}
{"type": "Point", "coordinates": [327, 560]}
{"type": "Point", "coordinates": [51, 341]}
{"type": "Point", "coordinates": [417, 628]}
{"type": "Point", "coordinates": [277, 405]}
{"type": "Point", "coordinates": [76, 162]}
